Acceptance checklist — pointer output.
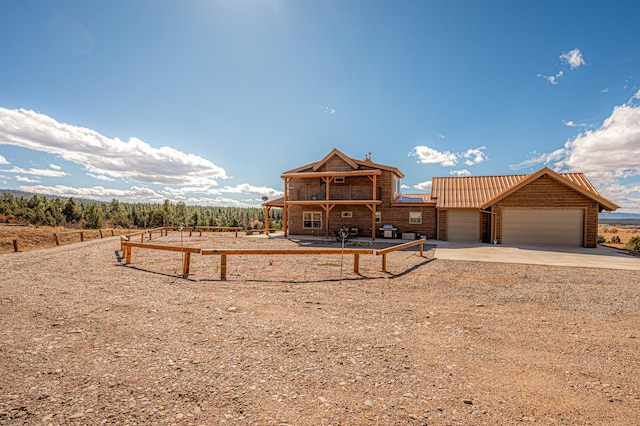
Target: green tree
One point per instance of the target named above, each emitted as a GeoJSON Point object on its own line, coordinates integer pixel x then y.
{"type": "Point", "coordinates": [95, 219]}
{"type": "Point", "coordinates": [72, 211]}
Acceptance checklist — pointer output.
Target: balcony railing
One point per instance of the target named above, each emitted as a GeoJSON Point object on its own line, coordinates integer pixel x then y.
{"type": "Point", "coordinates": [336, 192]}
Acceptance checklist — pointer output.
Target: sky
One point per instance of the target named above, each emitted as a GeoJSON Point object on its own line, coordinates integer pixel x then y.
{"type": "Point", "coordinates": [209, 101]}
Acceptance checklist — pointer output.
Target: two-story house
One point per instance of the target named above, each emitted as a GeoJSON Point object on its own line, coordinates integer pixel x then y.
{"type": "Point", "coordinates": [544, 207]}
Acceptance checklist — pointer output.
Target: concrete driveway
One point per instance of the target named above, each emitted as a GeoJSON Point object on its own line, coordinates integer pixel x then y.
{"type": "Point", "coordinates": [600, 257]}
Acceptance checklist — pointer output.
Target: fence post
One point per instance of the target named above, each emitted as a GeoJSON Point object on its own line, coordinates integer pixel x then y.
{"type": "Point", "coordinates": [384, 262]}
{"type": "Point", "coordinates": [128, 257]}
{"type": "Point", "coordinates": [356, 263]}
{"type": "Point", "coordinates": [81, 236]}
{"type": "Point", "coordinates": [185, 264]}
{"type": "Point", "coordinates": [421, 249]}
{"type": "Point", "coordinates": [223, 267]}
{"type": "Point", "coordinates": [100, 230]}
{"type": "Point", "coordinates": [15, 245]}
{"type": "Point", "coordinates": [112, 234]}
{"type": "Point", "coordinates": [57, 239]}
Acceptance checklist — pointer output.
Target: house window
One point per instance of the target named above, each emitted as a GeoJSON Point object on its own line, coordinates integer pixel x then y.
{"type": "Point", "coordinates": [378, 217]}
{"type": "Point", "coordinates": [415, 218]}
{"type": "Point", "coordinates": [312, 220]}
{"type": "Point", "coordinates": [339, 179]}
{"type": "Point", "coordinates": [347, 214]}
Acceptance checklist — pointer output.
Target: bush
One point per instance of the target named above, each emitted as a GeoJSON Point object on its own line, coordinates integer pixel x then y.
{"type": "Point", "coordinates": [634, 245]}
{"type": "Point", "coordinates": [601, 239]}
{"type": "Point", "coordinates": [613, 230]}
{"type": "Point", "coordinates": [615, 240]}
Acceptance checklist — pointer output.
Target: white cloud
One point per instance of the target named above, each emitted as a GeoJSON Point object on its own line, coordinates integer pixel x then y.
{"type": "Point", "coordinates": [425, 186]}
{"type": "Point", "coordinates": [605, 90]}
{"type": "Point", "coordinates": [463, 172]}
{"type": "Point", "coordinates": [55, 167]}
{"type": "Point", "coordinates": [440, 136]}
{"type": "Point", "coordinates": [573, 58]}
{"type": "Point", "coordinates": [553, 79]}
{"type": "Point", "coordinates": [3, 160]}
{"type": "Point", "coordinates": [96, 192]}
{"type": "Point", "coordinates": [101, 177]}
{"type": "Point", "coordinates": [245, 188]}
{"type": "Point", "coordinates": [428, 155]}
{"type": "Point", "coordinates": [403, 186]}
{"type": "Point", "coordinates": [36, 172]}
{"type": "Point", "coordinates": [26, 179]}
{"type": "Point", "coordinates": [475, 156]}
{"type": "Point", "coordinates": [572, 124]}
{"type": "Point", "coordinates": [608, 156]}
{"type": "Point", "coordinates": [133, 160]}
{"type": "Point", "coordinates": [328, 110]}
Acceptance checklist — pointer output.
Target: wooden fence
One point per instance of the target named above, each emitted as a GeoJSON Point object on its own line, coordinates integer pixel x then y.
{"type": "Point", "coordinates": [127, 245]}
{"type": "Point", "coordinates": [101, 232]}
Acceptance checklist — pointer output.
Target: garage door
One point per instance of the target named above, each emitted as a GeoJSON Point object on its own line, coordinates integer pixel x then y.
{"type": "Point", "coordinates": [543, 226]}
{"type": "Point", "coordinates": [464, 225]}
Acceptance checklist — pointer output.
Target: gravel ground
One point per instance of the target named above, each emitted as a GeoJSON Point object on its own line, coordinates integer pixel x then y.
{"type": "Point", "coordinates": [286, 340]}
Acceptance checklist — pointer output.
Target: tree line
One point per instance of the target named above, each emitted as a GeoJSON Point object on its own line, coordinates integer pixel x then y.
{"type": "Point", "coordinates": [88, 214]}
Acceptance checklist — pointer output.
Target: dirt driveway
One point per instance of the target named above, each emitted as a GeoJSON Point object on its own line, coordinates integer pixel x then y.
{"type": "Point", "coordinates": [85, 340]}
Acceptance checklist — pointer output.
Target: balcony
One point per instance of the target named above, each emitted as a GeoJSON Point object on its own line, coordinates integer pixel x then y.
{"type": "Point", "coordinates": [336, 192]}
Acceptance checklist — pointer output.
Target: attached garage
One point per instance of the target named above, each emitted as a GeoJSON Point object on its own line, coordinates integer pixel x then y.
{"type": "Point", "coordinates": [463, 225]}
{"type": "Point", "coordinates": [543, 226]}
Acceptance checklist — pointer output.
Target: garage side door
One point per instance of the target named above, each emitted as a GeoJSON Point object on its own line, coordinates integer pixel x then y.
{"type": "Point", "coordinates": [543, 226]}
{"type": "Point", "coordinates": [464, 225]}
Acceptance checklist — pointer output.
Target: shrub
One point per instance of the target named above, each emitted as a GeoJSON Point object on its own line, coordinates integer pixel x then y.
{"type": "Point", "coordinates": [634, 245]}
{"type": "Point", "coordinates": [613, 230]}
{"type": "Point", "coordinates": [615, 240]}
{"type": "Point", "coordinates": [601, 239]}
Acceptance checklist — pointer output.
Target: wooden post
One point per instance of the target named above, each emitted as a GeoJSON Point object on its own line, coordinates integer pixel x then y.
{"type": "Point", "coordinates": [201, 232]}
{"type": "Point", "coordinates": [421, 249]}
{"type": "Point", "coordinates": [57, 239]}
{"type": "Point", "coordinates": [142, 237]}
{"type": "Point", "coordinates": [356, 263]}
{"type": "Point", "coordinates": [128, 257]}
{"type": "Point", "coordinates": [266, 221]}
{"type": "Point", "coordinates": [223, 267]}
{"type": "Point", "coordinates": [100, 230]}
{"type": "Point", "coordinates": [185, 264]}
{"type": "Point", "coordinates": [190, 230]}
{"type": "Point", "coordinates": [112, 234]}
{"type": "Point", "coordinates": [150, 235]}
{"type": "Point", "coordinates": [15, 245]}
{"type": "Point", "coordinates": [384, 262]}
{"type": "Point", "coordinates": [81, 236]}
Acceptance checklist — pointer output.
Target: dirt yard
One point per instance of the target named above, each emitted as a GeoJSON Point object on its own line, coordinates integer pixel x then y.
{"type": "Point", "coordinates": [37, 237]}
{"type": "Point", "coordinates": [87, 340]}
{"type": "Point", "coordinates": [625, 233]}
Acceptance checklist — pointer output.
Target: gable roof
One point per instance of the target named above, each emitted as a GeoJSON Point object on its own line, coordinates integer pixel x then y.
{"type": "Point", "coordinates": [480, 192]}
{"type": "Point", "coordinates": [358, 165]}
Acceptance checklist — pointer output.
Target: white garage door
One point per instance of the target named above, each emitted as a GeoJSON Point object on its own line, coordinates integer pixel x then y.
{"type": "Point", "coordinates": [464, 225]}
{"type": "Point", "coordinates": [543, 226]}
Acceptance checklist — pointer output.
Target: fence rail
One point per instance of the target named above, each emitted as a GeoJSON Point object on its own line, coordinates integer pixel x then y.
{"type": "Point", "coordinates": [126, 247]}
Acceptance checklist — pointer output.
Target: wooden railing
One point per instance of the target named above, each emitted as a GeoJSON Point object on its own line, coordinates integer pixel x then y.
{"type": "Point", "coordinates": [57, 235]}
{"type": "Point", "coordinates": [127, 245]}
{"type": "Point", "coordinates": [223, 253]}
{"type": "Point", "coordinates": [384, 252]}
{"type": "Point", "coordinates": [235, 229]}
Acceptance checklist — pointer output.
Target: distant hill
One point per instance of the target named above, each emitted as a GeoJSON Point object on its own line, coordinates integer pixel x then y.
{"type": "Point", "coordinates": [619, 219]}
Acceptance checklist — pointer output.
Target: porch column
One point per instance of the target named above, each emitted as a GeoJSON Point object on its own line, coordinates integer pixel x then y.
{"type": "Point", "coordinates": [285, 218]}
{"type": "Point", "coordinates": [266, 219]}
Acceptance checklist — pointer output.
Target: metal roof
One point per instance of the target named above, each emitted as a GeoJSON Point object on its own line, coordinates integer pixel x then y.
{"type": "Point", "coordinates": [474, 191]}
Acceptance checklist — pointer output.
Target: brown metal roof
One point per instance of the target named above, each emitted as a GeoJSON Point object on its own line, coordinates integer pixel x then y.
{"type": "Point", "coordinates": [369, 172]}
{"type": "Point", "coordinates": [413, 198]}
{"type": "Point", "coordinates": [476, 191]}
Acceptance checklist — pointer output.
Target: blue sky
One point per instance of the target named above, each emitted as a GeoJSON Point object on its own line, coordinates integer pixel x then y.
{"type": "Point", "coordinates": [208, 102]}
